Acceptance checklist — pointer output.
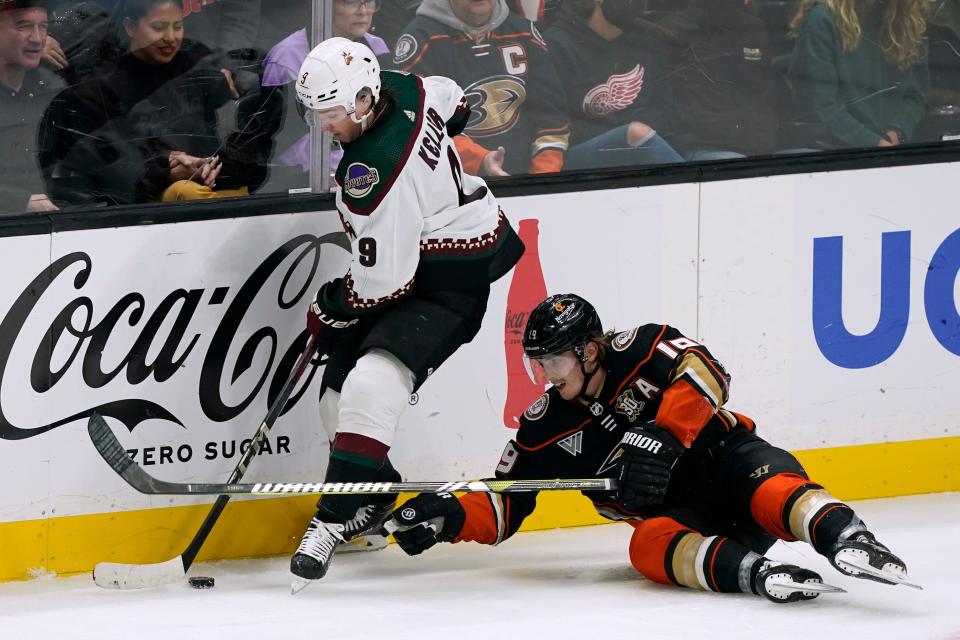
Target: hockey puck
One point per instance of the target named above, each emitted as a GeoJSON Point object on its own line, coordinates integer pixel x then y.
{"type": "Point", "coordinates": [201, 582]}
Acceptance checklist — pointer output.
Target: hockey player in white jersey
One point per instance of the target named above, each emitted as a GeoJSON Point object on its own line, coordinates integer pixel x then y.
{"type": "Point", "coordinates": [427, 241]}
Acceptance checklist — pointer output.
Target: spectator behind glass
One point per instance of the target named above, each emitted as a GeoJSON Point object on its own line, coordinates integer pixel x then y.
{"type": "Point", "coordinates": [82, 39]}
{"type": "Point", "coordinates": [229, 28]}
{"type": "Point", "coordinates": [352, 20]}
{"type": "Point", "coordinates": [944, 37]}
{"type": "Point", "coordinates": [616, 85]}
{"type": "Point", "coordinates": [393, 16]}
{"type": "Point", "coordinates": [722, 79]}
{"type": "Point", "coordinates": [224, 26]}
{"type": "Point", "coordinates": [148, 130]}
{"type": "Point", "coordinates": [86, 36]}
{"type": "Point", "coordinates": [858, 73]}
{"type": "Point", "coordinates": [518, 122]}
{"type": "Point", "coordinates": [25, 92]}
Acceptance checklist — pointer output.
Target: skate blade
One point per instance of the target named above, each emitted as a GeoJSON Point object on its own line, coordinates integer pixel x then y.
{"type": "Point", "coordinates": [809, 587]}
{"type": "Point", "coordinates": [298, 584]}
{"type": "Point", "coordinates": [855, 565]}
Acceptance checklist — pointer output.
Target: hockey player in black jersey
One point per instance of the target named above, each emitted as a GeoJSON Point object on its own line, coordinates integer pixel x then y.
{"type": "Point", "coordinates": [706, 496]}
{"type": "Point", "coordinates": [427, 240]}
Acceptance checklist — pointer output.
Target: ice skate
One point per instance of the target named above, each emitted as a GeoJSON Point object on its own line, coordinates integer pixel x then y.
{"type": "Point", "coordinates": [368, 520]}
{"type": "Point", "coordinates": [364, 532]}
{"type": "Point", "coordinates": [861, 556]}
{"type": "Point", "coordinates": [313, 556]}
{"type": "Point", "coordinates": [322, 539]}
{"type": "Point", "coordinates": [789, 583]}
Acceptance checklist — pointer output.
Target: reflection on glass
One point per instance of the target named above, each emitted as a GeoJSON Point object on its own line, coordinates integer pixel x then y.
{"type": "Point", "coordinates": [352, 19]}
{"type": "Point", "coordinates": [859, 72]}
{"type": "Point", "coordinates": [126, 101]}
{"type": "Point", "coordinates": [616, 85]}
{"type": "Point", "coordinates": [502, 62]}
{"type": "Point", "coordinates": [722, 82]}
{"type": "Point", "coordinates": [147, 130]}
{"type": "Point", "coordinates": [943, 29]}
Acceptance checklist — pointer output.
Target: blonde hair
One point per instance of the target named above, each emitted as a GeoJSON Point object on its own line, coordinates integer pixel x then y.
{"type": "Point", "coordinates": [603, 343]}
{"type": "Point", "coordinates": [901, 34]}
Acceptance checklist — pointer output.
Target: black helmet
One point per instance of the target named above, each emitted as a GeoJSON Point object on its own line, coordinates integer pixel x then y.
{"type": "Point", "coordinates": [563, 322]}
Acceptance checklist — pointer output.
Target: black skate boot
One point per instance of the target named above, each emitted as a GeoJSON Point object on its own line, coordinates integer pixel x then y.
{"type": "Point", "coordinates": [861, 556]}
{"type": "Point", "coordinates": [322, 538]}
{"type": "Point", "coordinates": [368, 519]}
{"type": "Point", "coordinates": [313, 556]}
{"type": "Point", "coordinates": [364, 532]}
{"type": "Point", "coordinates": [789, 583]}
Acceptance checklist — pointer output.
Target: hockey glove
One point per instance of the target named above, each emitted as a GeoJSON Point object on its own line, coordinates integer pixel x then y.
{"type": "Point", "coordinates": [422, 522]}
{"type": "Point", "coordinates": [324, 322]}
{"type": "Point", "coordinates": [649, 453]}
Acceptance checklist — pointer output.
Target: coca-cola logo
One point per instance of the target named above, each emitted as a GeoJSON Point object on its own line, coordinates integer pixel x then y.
{"type": "Point", "coordinates": [72, 330]}
{"type": "Point", "coordinates": [515, 321]}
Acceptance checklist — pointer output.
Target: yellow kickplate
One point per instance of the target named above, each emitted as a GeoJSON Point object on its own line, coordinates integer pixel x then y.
{"type": "Point", "coordinates": [273, 526]}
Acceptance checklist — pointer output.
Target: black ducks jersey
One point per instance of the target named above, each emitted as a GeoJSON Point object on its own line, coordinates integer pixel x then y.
{"type": "Point", "coordinates": [652, 373]}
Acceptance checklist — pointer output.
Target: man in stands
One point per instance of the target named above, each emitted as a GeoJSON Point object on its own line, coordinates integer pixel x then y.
{"type": "Point", "coordinates": [723, 85]}
{"type": "Point", "coordinates": [25, 92]}
{"type": "Point", "coordinates": [616, 88]}
{"type": "Point", "coordinates": [508, 76]}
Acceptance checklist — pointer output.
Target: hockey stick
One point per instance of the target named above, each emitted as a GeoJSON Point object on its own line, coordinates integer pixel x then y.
{"type": "Point", "coordinates": [113, 575]}
{"type": "Point", "coordinates": [115, 455]}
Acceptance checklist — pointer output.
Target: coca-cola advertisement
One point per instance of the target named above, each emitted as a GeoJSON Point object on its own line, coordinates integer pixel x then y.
{"type": "Point", "coordinates": [179, 335]}
{"type": "Point", "coordinates": [527, 289]}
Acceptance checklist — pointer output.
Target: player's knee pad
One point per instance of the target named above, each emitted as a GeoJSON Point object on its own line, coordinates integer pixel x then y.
{"type": "Point", "coordinates": [374, 395]}
{"type": "Point", "coordinates": [329, 412]}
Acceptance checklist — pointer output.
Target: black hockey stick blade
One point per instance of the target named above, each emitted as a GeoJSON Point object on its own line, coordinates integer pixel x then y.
{"type": "Point", "coordinates": [116, 575]}
{"type": "Point", "coordinates": [116, 456]}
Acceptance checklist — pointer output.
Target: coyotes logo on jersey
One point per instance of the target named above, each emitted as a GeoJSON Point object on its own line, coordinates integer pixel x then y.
{"type": "Point", "coordinates": [617, 93]}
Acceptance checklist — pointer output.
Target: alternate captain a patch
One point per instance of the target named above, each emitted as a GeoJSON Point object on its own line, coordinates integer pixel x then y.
{"type": "Point", "coordinates": [360, 180]}
{"type": "Point", "coordinates": [539, 407]}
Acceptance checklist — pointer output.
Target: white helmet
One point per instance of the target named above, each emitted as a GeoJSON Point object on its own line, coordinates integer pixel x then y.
{"type": "Point", "coordinates": [334, 72]}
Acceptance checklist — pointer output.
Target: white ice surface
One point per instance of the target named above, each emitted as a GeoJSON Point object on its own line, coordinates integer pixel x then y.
{"type": "Point", "coordinates": [573, 583]}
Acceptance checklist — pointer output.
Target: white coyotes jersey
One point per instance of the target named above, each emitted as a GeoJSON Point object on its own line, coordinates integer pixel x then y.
{"type": "Point", "coordinates": [402, 191]}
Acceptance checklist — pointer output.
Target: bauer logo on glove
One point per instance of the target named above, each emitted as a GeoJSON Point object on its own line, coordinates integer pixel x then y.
{"type": "Point", "coordinates": [324, 322]}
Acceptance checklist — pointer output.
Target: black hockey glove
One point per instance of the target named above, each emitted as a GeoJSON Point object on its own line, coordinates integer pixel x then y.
{"type": "Point", "coordinates": [422, 522]}
{"type": "Point", "coordinates": [649, 453]}
{"type": "Point", "coordinates": [323, 321]}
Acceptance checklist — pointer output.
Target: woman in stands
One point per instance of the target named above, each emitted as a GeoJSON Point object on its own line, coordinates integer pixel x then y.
{"type": "Point", "coordinates": [352, 19]}
{"type": "Point", "coordinates": [147, 130]}
{"type": "Point", "coordinates": [859, 72]}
